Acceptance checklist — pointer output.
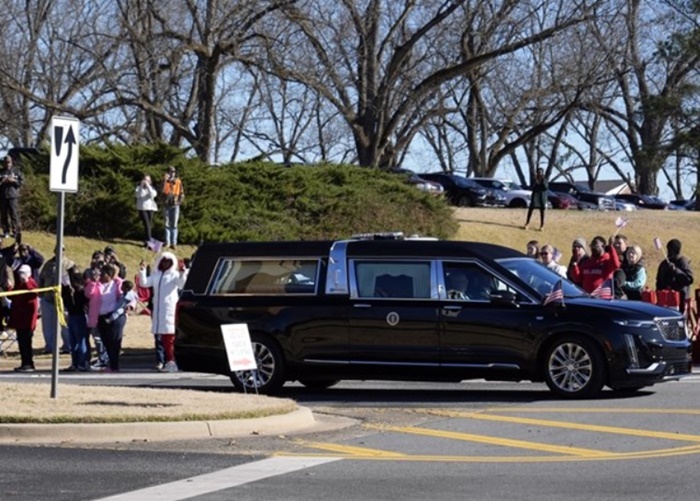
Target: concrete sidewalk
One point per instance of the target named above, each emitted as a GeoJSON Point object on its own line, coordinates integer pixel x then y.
{"type": "Point", "coordinates": [301, 420]}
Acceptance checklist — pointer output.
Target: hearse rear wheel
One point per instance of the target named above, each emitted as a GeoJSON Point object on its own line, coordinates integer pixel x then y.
{"type": "Point", "coordinates": [574, 367]}
{"type": "Point", "coordinates": [269, 377]}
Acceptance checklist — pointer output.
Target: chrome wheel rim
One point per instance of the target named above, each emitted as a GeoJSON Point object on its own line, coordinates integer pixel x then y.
{"type": "Point", "coordinates": [265, 361]}
{"type": "Point", "coordinates": [570, 367]}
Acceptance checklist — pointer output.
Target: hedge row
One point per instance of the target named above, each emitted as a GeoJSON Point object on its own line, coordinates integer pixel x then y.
{"type": "Point", "coordinates": [235, 202]}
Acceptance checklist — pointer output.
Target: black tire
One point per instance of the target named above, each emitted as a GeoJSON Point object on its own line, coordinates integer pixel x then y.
{"type": "Point", "coordinates": [574, 367]}
{"type": "Point", "coordinates": [517, 203]}
{"type": "Point", "coordinates": [270, 374]}
{"type": "Point", "coordinates": [465, 201]}
{"type": "Point", "coordinates": [319, 384]}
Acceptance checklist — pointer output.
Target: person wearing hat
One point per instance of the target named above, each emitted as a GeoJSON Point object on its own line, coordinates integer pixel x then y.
{"type": "Point", "coordinates": [599, 267]}
{"type": "Point", "coordinates": [173, 193]}
{"type": "Point", "coordinates": [23, 316]}
{"type": "Point", "coordinates": [47, 278]}
{"type": "Point", "coordinates": [167, 279]}
{"type": "Point", "coordinates": [674, 272]}
{"type": "Point", "coordinates": [11, 181]}
{"type": "Point", "coordinates": [578, 256]}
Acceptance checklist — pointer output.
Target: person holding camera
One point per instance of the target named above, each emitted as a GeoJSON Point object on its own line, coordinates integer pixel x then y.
{"type": "Point", "coordinates": [174, 193]}
{"type": "Point", "coordinates": [110, 257]}
{"type": "Point", "coordinates": [146, 205]}
{"type": "Point", "coordinates": [11, 181]}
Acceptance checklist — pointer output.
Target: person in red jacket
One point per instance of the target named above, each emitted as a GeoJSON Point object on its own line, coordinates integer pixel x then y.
{"type": "Point", "coordinates": [600, 266]}
{"type": "Point", "coordinates": [23, 315]}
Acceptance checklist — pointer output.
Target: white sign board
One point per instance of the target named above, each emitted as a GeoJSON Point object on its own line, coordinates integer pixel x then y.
{"type": "Point", "coordinates": [65, 142]}
{"type": "Point", "coordinates": [239, 350]}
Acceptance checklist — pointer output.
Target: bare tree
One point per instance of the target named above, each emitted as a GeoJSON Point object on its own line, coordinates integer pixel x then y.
{"type": "Point", "coordinates": [382, 63]}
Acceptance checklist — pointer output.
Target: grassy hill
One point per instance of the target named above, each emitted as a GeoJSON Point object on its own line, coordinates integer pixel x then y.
{"type": "Point", "coordinates": [504, 227]}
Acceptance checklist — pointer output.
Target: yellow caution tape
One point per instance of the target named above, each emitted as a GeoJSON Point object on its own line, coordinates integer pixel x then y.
{"type": "Point", "coordinates": [56, 289]}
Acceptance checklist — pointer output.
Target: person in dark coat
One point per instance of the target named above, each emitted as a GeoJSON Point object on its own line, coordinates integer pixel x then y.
{"type": "Point", "coordinates": [635, 273]}
{"type": "Point", "coordinates": [538, 199]}
{"type": "Point", "coordinates": [23, 315]}
{"type": "Point", "coordinates": [674, 272]}
{"type": "Point", "coordinates": [11, 181]}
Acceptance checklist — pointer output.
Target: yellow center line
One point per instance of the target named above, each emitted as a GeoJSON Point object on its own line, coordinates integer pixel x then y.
{"type": "Point", "coordinates": [485, 439]}
{"type": "Point", "coordinates": [571, 426]}
{"type": "Point", "coordinates": [590, 410]}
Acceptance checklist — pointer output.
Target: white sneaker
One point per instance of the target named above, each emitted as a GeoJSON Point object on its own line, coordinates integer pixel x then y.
{"type": "Point", "coordinates": [169, 367]}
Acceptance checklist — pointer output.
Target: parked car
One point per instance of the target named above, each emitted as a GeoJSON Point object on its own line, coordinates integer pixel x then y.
{"type": "Point", "coordinates": [561, 200]}
{"type": "Point", "coordinates": [387, 308]}
{"type": "Point", "coordinates": [464, 192]}
{"type": "Point", "coordinates": [643, 201]}
{"type": "Point", "coordinates": [420, 183]}
{"type": "Point", "coordinates": [624, 205]}
{"type": "Point", "coordinates": [682, 204]}
{"type": "Point", "coordinates": [515, 195]}
{"type": "Point", "coordinates": [582, 193]}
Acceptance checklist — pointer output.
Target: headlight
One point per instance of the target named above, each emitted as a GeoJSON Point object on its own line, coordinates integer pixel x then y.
{"type": "Point", "coordinates": [643, 324]}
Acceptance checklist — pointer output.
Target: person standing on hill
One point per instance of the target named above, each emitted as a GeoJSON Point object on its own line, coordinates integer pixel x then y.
{"type": "Point", "coordinates": [11, 181]}
{"type": "Point", "coordinates": [674, 272]}
{"type": "Point", "coordinates": [538, 200]}
{"type": "Point", "coordinates": [146, 205]}
{"type": "Point", "coordinates": [174, 193]}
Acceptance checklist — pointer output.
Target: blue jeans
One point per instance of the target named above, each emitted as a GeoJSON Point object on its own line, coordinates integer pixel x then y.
{"type": "Point", "coordinates": [79, 352]}
{"type": "Point", "coordinates": [48, 325]}
{"type": "Point", "coordinates": [160, 350]}
{"type": "Point", "coordinates": [172, 214]}
{"type": "Point", "coordinates": [111, 334]}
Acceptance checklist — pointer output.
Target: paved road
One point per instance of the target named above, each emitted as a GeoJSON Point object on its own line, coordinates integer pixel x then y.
{"type": "Point", "coordinates": [475, 440]}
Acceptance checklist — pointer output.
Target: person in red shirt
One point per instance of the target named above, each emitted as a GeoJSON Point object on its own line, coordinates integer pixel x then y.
{"type": "Point", "coordinates": [601, 264]}
{"type": "Point", "coordinates": [23, 315]}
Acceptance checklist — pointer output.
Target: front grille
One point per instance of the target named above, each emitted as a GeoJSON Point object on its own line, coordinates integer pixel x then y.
{"type": "Point", "coordinates": [678, 368]}
{"type": "Point", "coordinates": [672, 329]}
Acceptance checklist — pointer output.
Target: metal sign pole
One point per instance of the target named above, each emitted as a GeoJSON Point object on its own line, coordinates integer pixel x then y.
{"type": "Point", "coordinates": [57, 280]}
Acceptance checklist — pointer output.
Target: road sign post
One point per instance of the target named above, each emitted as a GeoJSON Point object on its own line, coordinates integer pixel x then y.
{"type": "Point", "coordinates": [63, 177]}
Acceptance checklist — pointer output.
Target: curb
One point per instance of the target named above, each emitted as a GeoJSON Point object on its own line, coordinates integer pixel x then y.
{"type": "Point", "coordinates": [300, 420]}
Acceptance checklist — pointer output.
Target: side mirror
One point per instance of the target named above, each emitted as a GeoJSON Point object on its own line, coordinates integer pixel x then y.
{"type": "Point", "coordinates": [503, 297]}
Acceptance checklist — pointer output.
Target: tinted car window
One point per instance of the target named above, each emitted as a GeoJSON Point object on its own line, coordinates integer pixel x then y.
{"type": "Point", "coordinates": [406, 280]}
{"type": "Point", "coordinates": [539, 277]}
{"type": "Point", "coordinates": [235, 276]}
{"type": "Point", "coordinates": [470, 282]}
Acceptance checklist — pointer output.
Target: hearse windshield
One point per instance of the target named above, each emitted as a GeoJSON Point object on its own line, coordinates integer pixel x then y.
{"type": "Point", "coordinates": [538, 276]}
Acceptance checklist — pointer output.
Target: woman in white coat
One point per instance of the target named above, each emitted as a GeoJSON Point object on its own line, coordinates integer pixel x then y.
{"type": "Point", "coordinates": [165, 280]}
{"type": "Point", "coordinates": [146, 204]}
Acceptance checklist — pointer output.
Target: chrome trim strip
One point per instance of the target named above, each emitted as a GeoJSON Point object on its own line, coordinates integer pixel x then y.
{"type": "Point", "coordinates": [483, 366]}
{"type": "Point", "coordinates": [656, 367]}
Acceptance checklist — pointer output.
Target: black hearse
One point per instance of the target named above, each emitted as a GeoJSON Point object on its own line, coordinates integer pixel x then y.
{"type": "Point", "coordinates": [417, 309]}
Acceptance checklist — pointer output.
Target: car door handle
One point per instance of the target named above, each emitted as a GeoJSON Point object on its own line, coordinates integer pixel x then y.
{"type": "Point", "coordinates": [361, 305]}
{"type": "Point", "coordinates": [451, 307]}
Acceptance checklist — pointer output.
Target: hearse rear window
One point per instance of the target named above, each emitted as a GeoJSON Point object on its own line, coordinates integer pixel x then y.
{"type": "Point", "coordinates": [406, 280]}
{"type": "Point", "coordinates": [236, 276]}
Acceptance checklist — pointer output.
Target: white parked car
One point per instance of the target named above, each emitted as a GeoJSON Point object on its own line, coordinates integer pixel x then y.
{"type": "Point", "coordinates": [515, 195]}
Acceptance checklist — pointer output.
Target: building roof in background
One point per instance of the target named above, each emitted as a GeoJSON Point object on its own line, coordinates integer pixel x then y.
{"type": "Point", "coordinates": [612, 187]}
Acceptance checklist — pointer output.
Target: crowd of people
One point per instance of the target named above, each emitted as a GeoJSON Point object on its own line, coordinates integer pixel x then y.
{"type": "Point", "coordinates": [96, 301]}
{"type": "Point", "coordinates": [619, 263]}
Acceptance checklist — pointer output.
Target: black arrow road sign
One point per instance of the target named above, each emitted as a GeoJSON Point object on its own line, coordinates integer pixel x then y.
{"type": "Point", "coordinates": [70, 141]}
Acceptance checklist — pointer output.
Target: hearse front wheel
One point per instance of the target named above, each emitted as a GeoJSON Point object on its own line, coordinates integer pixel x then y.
{"type": "Point", "coordinates": [574, 367]}
{"type": "Point", "coordinates": [269, 377]}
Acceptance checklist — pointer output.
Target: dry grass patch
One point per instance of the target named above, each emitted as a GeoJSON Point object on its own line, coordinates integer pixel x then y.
{"type": "Point", "coordinates": [31, 403]}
